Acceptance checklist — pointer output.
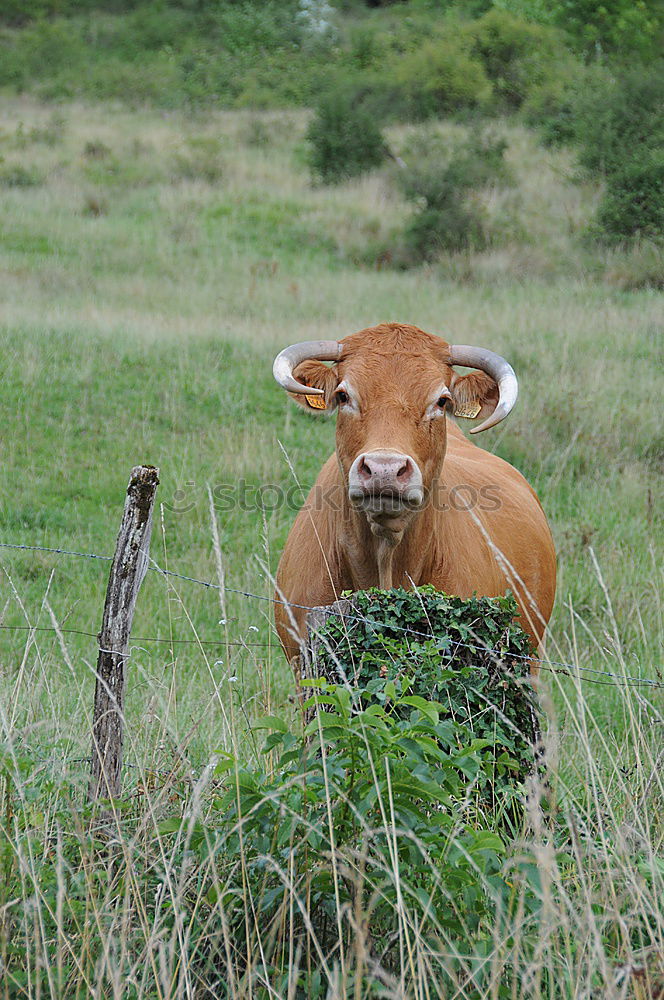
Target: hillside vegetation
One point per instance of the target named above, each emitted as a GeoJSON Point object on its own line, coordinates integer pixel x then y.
{"type": "Point", "coordinates": [426, 53]}
{"type": "Point", "coordinates": [581, 73]}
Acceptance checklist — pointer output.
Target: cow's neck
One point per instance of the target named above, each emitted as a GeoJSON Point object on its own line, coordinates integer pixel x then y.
{"type": "Point", "coordinates": [373, 561]}
{"type": "Point", "coordinates": [384, 563]}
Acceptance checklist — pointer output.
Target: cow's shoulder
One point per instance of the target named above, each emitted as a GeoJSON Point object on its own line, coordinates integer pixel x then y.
{"type": "Point", "coordinates": [466, 462]}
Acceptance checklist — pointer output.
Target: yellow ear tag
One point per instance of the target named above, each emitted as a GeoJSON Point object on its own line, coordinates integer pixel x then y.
{"type": "Point", "coordinates": [467, 410]}
{"type": "Point", "coordinates": [316, 402]}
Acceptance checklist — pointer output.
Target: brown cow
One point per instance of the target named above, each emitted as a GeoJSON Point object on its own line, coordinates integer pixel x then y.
{"type": "Point", "coordinates": [407, 499]}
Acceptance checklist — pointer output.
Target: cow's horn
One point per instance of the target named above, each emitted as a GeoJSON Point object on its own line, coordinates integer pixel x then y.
{"type": "Point", "coordinates": [291, 357]}
{"type": "Point", "coordinates": [499, 370]}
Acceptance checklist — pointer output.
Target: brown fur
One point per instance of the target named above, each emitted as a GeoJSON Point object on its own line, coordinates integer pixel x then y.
{"type": "Point", "coordinates": [394, 369]}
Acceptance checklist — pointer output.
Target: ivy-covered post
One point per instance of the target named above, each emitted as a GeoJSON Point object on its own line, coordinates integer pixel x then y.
{"type": "Point", "coordinates": [316, 621]}
{"type": "Point", "coordinates": [312, 663]}
{"type": "Point", "coordinates": [468, 655]}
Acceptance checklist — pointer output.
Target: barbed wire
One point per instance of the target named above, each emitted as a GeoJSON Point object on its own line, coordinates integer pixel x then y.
{"type": "Point", "coordinates": [138, 638]}
{"type": "Point", "coordinates": [62, 552]}
{"type": "Point", "coordinates": [568, 669]}
{"type": "Point", "coordinates": [553, 667]}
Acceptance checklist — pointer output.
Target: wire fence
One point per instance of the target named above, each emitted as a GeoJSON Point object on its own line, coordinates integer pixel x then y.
{"type": "Point", "coordinates": [602, 677]}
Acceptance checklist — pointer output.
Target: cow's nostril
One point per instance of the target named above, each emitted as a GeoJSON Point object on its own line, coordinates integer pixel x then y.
{"type": "Point", "coordinates": [377, 476]}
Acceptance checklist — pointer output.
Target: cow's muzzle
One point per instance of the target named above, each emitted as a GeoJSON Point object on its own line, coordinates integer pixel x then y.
{"type": "Point", "coordinates": [384, 482]}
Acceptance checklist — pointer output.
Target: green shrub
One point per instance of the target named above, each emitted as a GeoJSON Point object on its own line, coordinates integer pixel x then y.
{"type": "Point", "coordinates": [19, 12]}
{"type": "Point", "coordinates": [516, 54]}
{"type": "Point", "coordinates": [162, 53]}
{"type": "Point", "coordinates": [150, 28]}
{"type": "Point", "coordinates": [618, 123]}
{"type": "Point", "coordinates": [633, 205]}
{"type": "Point", "coordinates": [366, 47]}
{"type": "Point", "coordinates": [441, 77]}
{"type": "Point", "coordinates": [257, 133]}
{"type": "Point", "coordinates": [406, 773]}
{"type": "Point", "coordinates": [95, 149]}
{"type": "Point", "coordinates": [621, 116]}
{"type": "Point", "coordinates": [50, 134]}
{"type": "Point", "coordinates": [153, 80]}
{"type": "Point", "coordinates": [39, 51]}
{"type": "Point", "coordinates": [631, 268]}
{"type": "Point", "coordinates": [345, 139]}
{"type": "Point", "coordinates": [467, 654]}
{"type": "Point", "coordinates": [614, 26]}
{"type": "Point", "coordinates": [123, 172]}
{"type": "Point", "coordinates": [251, 27]}
{"type": "Point", "coordinates": [368, 791]}
{"type": "Point", "coordinates": [621, 138]}
{"type": "Point", "coordinates": [554, 105]}
{"type": "Point", "coordinates": [447, 216]}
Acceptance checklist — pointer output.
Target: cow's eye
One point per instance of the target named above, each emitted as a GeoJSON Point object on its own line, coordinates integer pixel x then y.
{"type": "Point", "coordinates": [342, 397]}
{"type": "Point", "coordinates": [443, 401]}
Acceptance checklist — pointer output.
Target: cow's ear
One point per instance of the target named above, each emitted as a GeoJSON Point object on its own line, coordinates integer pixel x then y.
{"type": "Point", "coordinates": [474, 395]}
{"type": "Point", "coordinates": [318, 376]}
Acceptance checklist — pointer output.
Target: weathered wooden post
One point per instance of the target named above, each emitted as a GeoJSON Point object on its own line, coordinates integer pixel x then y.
{"type": "Point", "coordinates": [129, 566]}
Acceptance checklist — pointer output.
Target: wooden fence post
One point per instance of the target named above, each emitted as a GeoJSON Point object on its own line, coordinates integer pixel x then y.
{"type": "Point", "coordinates": [129, 566]}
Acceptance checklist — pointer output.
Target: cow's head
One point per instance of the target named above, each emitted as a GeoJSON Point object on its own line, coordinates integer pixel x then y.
{"type": "Point", "coordinates": [392, 386]}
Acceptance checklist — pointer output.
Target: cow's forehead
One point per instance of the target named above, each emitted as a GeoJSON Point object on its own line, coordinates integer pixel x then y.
{"type": "Point", "coordinates": [394, 355]}
{"type": "Point", "coordinates": [389, 337]}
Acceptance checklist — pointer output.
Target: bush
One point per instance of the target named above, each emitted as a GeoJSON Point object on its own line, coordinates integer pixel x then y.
{"type": "Point", "coordinates": [39, 51]}
{"type": "Point", "coordinates": [448, 217]}
{"type": "Point", "coordinates": [633, 205]}
{"type": "Point", "coordinates": [162, 53]}
{"type": "Point", "coordinates": [18, 12]}
{"type": "Point", "coordinates": [397, 795]}
{"type": "Point", "coordinates": [621, 116]}
{"type": "Point", "coordinates": [370, 803]}
{"type": "Point", "coordinates": [51, 133]}
{"type": "Point", "coordinates": [622, 136]}
{"type": "Point", "coordinates": [617, 26]}
{"type": "Point", "coordinates": [441, 77]}
{"type": "Point", "coordinates": [516, 54]}
{"type": "Point", "coordinates": [345, 139]}
{"type": "Point", "coordinates": [553, 106]}
{"type": "Point", "coordinates": [640, 266]}
{"type": "Point", "coordinates": [466, 653]}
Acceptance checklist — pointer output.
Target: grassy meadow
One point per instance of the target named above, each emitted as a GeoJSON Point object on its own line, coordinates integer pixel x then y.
{"type": "Point", "coordinates": [151, 265]}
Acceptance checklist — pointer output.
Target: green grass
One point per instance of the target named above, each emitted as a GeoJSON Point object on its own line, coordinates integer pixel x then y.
{"type": "Point", "coordinates": [141, 312]}
{"type": "Point", "coordinates": [147, 333]}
